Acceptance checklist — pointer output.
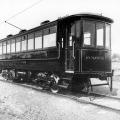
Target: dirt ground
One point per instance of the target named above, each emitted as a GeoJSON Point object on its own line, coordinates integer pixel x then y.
{"type": "Point", "coordinates": [20, 103]}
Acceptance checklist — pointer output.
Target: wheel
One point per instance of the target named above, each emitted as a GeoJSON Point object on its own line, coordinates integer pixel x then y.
{"type": "Point", "coordinates": [7, 74]}
{"type": "Point", "coordinates": [87, 84]}
{"type": "Point", "coordinates": [4, 74]}
{"type": "Point", "coordinates": [54, 88]}
{"type": "Point", "coordinates": [11, 74]}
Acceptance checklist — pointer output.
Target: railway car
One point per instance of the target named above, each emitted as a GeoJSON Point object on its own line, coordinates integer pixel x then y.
{"type": "Point", "coordinates": [67, 52]}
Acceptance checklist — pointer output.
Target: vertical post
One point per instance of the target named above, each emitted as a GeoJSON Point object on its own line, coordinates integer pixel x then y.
{"type": "Point", "coordinates": [90, 84]}
{"type": "Point", "coordinates": [111, 84]}
{"type": "Point", "coordinates": [111, 81]}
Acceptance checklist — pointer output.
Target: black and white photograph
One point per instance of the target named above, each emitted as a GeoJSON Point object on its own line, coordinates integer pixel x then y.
{"type": "Point", "coordinates": [59, 60]}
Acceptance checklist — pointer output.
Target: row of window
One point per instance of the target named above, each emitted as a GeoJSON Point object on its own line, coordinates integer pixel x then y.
{"type": "Point", "coordinates": [98, 31]}
{"type": "Point", "coordinates": [37, 40]}
{"type": "Point", "coordinates": [95, 34]}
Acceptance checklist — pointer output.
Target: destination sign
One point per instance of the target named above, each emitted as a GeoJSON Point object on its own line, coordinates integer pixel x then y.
{"type": "Point", "coordinates": [94, 58]}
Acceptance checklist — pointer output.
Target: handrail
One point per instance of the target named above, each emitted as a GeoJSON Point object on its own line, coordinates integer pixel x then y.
{"type": "Point", "coordinates": [74, 49]}
{"type": "Point", "coordinates": [58, 50]}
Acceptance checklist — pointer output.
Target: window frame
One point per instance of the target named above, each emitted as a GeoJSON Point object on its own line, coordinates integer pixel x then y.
{"type": "Point", "coordinates": [93, 43]}
{"type": "Point", "coordinates": [109, 36]}
{"type": "Point", "coordinates": [7, 46]}
{"type": "Point", "coordinates": [14, 46]}
{"type": "Point", "coordinates": [99, 46]}
{"type": "Point", "coordinates": [50, 33]}
{"type": "Point", "coordinates": [29, 34]}
{"type": "Point", "coordinates": [16, 39]}
{"type": "Point", "coordinates": [22, 39]}
{"type": "Point", "coordinates": [41, 35]}
{"type": "Point", "coordinates": [1, 48]}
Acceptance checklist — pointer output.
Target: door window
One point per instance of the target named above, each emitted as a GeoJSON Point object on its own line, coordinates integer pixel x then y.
{"type": "Point", "coordinates": [71, 35]}
{"type": "Point", "coordinates": [70, 50]}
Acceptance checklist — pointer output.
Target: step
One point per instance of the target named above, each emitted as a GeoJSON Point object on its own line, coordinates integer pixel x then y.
{"type": "Point", "coordinates": [66, 78]}
{"type": "Point", "coordinates": [63, 86]}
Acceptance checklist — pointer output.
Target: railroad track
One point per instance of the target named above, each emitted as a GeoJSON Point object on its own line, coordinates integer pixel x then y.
{"type": "Point", "coordinates": [103, 101]}
{"type": "Point", "coordinates": [100, 100]}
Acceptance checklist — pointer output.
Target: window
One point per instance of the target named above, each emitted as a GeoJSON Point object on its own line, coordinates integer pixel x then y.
{"type": "Point", "coordinates": [100, 34]}
{"type": "Point", "coordinates": [8, 46]}
{"type": "Point", "coordinates": [107, 36]}
{"type": "Point", "coordinates": [49, 37]}
{"type": "Point", "coordinates": [89, 33]}
{"type": "Point", "coordinates": [18, 42]}
{"type": "Point", "coordinates": [13, 45]}
{"type": "Point", "coordinates": [30, 41]}
{"type": "Point", "coordinates": [87, 38]}
{"type": "Point", "coordinates": [24, 43]}
{"type": "Point", "coordinates": [4, 47]}
{"type": "Point", "coordinates": [0, 48]}
{"type": "Point", "coordinates": [49, 40]}
{"type": "Point", "coordinates": [38, 40]}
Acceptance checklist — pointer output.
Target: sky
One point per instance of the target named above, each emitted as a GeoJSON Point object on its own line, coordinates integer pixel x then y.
{"type": "Point", "coordinates": [52, 9]}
